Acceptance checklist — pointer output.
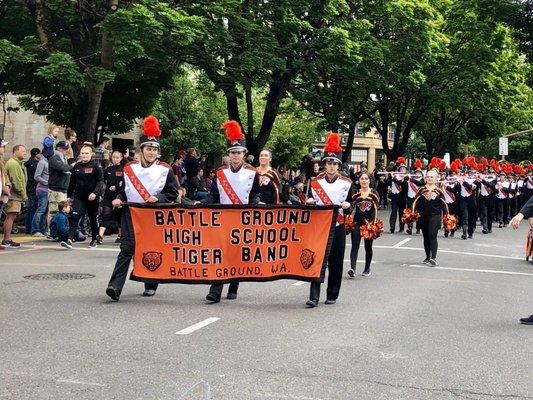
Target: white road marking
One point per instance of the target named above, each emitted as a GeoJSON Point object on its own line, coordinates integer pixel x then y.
{"type": "Point", "coordinates": [197, 326]}
{"type": "Point", "coordinates": [453, 252]}
{"type": "Point", "coordinates": [299, 283]}
{"type": "Point", "coordinates": [489, 271]}
{"type": "Point", "coordinates": [399, 244]}
{"type": "Point", "coordinates": [79, 382]}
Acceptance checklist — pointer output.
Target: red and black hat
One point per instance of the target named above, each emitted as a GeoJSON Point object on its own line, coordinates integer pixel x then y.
{"type": "Point", "coordinates": [151, 132]}
{"type": "Point", "coordinates": [234, 135]}
{"type": "Point", "coordinates": [333, 149]}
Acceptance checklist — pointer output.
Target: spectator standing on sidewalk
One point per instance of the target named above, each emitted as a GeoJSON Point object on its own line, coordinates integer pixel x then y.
{"type": "Point", "coordinates": [59, 177]}
{"type": "Point", "coordinates": [73, 150]}
{"type": "Point", "coordinates": [31, 185]}
{"type": "Point", "coordinates": [40, 220]}
{"type": "Point", "coordinates": [18, 192]}
{"type": "Point", "coordinates": [101, 152]}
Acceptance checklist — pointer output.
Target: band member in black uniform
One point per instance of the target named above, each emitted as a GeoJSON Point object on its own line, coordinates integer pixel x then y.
{"type": "Point", "coordinates": [365, 205]}
{"type": "Point", "coordinates": [236, 183]}
{"type": "Point", "coordinates": [146, 181]}
{"type": "Point", "coordinates": [269, 179]}
{"type": "Point", "coordinates": [451, 188]}
{"type": "Point", "coordinates": [398, 194]}
{"type": "Point", "coordinates": [332, 188]}
{"type": "Point", "coordinates": [487, 200]}
{"type": "Point", "coordinates": [502, 199]}
{"type": "Point", "coordinates": [413, 185]}
{"type": "Point", "coordinates": [467, 203]}
{"type": "Point", "coordinates": [430, 205]}
{"type": "Point", "coordinates": [513, 193]}
{"type": "Point", "coordinates": [527, 189]}
{"type": "Point", "coordinates": [114, 182]}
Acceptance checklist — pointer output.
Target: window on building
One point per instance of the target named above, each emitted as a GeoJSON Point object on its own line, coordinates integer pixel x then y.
{"type": "Point", "coordinates": [380, 155]}
{"type": "Point", "coordinates": [392, 133]}
{"type": "Point", "coordinates": [359, 155]}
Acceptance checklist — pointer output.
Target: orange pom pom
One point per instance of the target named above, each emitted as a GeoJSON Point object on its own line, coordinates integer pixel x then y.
{"type": "Point", "coordinates": [449, 222]}
{"type": "Point", "coordinates": [409, 216]}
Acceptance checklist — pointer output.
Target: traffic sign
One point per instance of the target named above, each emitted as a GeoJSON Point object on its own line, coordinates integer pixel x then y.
{"type": "Point", "coordinates": [504, 146]}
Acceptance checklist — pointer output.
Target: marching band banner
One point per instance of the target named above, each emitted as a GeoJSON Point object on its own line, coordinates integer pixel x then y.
{"type": "Point", "coordinates": [219, 243]}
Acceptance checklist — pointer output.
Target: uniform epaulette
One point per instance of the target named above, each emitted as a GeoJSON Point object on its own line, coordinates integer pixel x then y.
{"type": "Point", "coordinates": [223, 166]}
{"type": "Point", "coordinates": [345, 178]}
{"type": "Point", "coordinates": [319, 176]}
{"type": "Point", "coordinates": [164, 164]}
{"type": "Point", "coordinates": [248, 166]}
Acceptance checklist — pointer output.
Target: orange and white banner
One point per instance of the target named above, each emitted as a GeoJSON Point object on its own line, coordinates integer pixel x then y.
{"type": "Point", "coordinates": [224, 243]}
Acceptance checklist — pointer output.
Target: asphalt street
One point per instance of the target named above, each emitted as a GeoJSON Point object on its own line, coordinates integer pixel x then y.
{"type": "Point", "coordinates": [406, 332]}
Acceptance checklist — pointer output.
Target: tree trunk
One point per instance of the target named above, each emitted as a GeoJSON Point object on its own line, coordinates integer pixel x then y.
{"type": "Point", "coordinates": [349, 143]}
{"type": "Point", "coordinates": [249, 111]}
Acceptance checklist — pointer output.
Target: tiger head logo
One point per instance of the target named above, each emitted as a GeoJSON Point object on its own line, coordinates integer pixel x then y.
{"type": "Point", "coordinates": [307, 258]}
{"type": "Point", "coordinates": [152, 260]}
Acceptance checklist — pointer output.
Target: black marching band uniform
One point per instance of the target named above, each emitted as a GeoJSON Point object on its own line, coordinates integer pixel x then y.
{"type": "Point", "coordinates": [398, 193]}
{"type": "Point", "coordinates": [113, 178]}
{"type": "Point", "coordinates": [332, 191]}
{"type": "Point", "coordinates": [233, 186]}
{"type": "Point", "coordinates": [502, 200]}
{"type": "Point", "coordinates": [450, 191]}
{"type": "Point", "coordinates": [487, 201]}
{"type": "Point", "coordinates": [141, 182]}
{"type": "Point", "coordinates": [413, 186]}
{"type": "Point", "coordinates": [467, 204]}
{"type": "Point", "coordinates": [364, 209]}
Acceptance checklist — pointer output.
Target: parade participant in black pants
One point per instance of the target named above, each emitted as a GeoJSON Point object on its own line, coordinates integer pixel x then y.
{"type": "Point", "coordinates": [365, 208]}
{"type": "Point", "coordinates": [527, 213]}
{"type": "Point", "coordinates": [114, 182]}
{"type": "Point", "coordinates": [236, 183]}
{"type": "Point", "coordinates": [398, 195]}
{"type": "Point", "coordinates": [331, 188]}
{"type": "Point", "coordinates": [467, 203]}
{"type": "Point", "coordinates": [269, 179]}
{"type": "Point", "coordinates": [513, 192]}
{"type": "Point", "coordinates": [502, 199]}
{"type": "Point", "coordinates": [451, 188]}
{"type": "Point", "coordinates": [487, 200]}
{"type": "Point", "coordinates": [85, 188]}
{"type": "Point", "coordinates": [430, 204]}
{"type": "Point", "coordinates": [413, 186]}
{"type": "Point", "coordinates": [147, 181]}
{"type": "Point", "coordinates": [527, 189]}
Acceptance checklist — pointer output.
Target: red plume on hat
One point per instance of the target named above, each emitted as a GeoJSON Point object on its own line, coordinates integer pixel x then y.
{"type": "Point", "coordinates": [455, 165]}
{"type": "Point", "coordinates": [434, 163]}
{"type": "Point", "coordinates": [401, 161]}
{"type": "Point", "coordinates": [233, 130]}
{"type": "Point", "coordinates": [442, 165]}
{"type": "Point", "coordinates": [333, 143]}
{"type": "Point", "coordinates": [418, 164]}
{"type": "Point", "coordinates": [151, 127]}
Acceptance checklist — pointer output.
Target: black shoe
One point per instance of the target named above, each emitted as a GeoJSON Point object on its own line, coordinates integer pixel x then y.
{"type": "Point", "coordinates": [148, 292]}
{"type": "Point", "coordinates": [500, 225]}
{"type": "Point", "coordinates": [452, 234]}
{"type": "Point", "coordinates": [426, 261]}
{"type": "Point", "coordinates": [93, 244]}
{"type": "Point", "coordinates": [400, 231]}
{"type": "Point", "coordinates": [484, 231]}
{"type": "Point", "coordinates": [311, 303]}
{"type": "Point", "coordinates": [113, 293]}
{"type": "Point", "coordinates": [432, 262]}
{"type": "Point", "coordinates": [490, 230]}
{"type": "Point", "coordinates": [527, 320]}
{"type": "Point", "coordinates": [463, 236]}
{"type": "Point", "coordinates": [210, 297]}
{"type": "Point", "coordinates": [231, 296]}
{"type": "Point", "coordinates": [391, 230]}
{"type": "Point", "coordinates": [67, 244]}
{"type": "Point", "coordinates": [328, 301]}
{"type": "Point", "coordinates": [117, 240]}
{"type": "Point", "coordinates": [409, 231]}
{"type": "Point", "coordinates": [10, 243]}
{"type": "Point", "coordinates": [351, 272]}
{"type": "Point", "coordinates": [99, 239]}
{"type": "Point", "coordinates": [445, 233]}
{"type": "Point", "coordinates": [418, 231]}
{"type": "Point", "coordinates": [470, 236]}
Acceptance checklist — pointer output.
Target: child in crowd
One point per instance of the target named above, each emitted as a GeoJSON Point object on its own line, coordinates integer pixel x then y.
{"type": "Point", "coordinates": [59, 226]}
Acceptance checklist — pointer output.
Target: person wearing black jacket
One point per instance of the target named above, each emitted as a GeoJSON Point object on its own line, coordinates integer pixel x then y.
{"type": "Point", "coordinates": [527, 213]}
{"type": "Point", "coordinates": [85, 188]}
{"type": "Point", "coordinates": [58, 178]}
{"type": "Point", "coordinates": [147, 181]}
{"type": "Point", "coordinates": [114, 182]}
{"type": "Point", "coordinates": [269, 179]}
{"type": "Point", "coordinates": [487, 201]}
{"type": "Point", "coordinates": [31, 185]}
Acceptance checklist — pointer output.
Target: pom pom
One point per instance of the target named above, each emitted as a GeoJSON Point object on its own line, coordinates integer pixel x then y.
{"type": "Point", "coordinates": [233, 130]}
{"type": "Point", "coordinates": [151, 127]}
{"type": "Point", "coordinates": [371, 230]}
{"type": "Point", "coordinates": [401, 160]}
{"type": "Point", "coordinates": [449, 222]}
{"type": "Point", "coordinates": [409, 216]}
{"type": "Point", "coordinates": [418, 163]}
{"type": "Point", "coordinates": [333, 143]}
{"type": "Point", "coordinates": [349, 224]}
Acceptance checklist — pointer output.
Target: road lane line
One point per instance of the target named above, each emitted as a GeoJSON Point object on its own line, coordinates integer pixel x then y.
{"type": "Point", "coordinates": [197, 326]}
{"type": "Point", "coordinates": [453, 252]}
{"type": "Point", "coordinates": [299, 283]}
{"type": "Point", "coordinates": [488, 271]}
{"type": "Point", "coordinates": [399, 244]}
{"type": "Point", "coordinates": [74, 382]}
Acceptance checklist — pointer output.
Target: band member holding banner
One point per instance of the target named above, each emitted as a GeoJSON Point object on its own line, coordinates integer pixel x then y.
{"type": "Point", "coordinates": [365, 203]}
{"type": "Point", "coordinates": [269, 179]}
{"type": "Point", "coordinates": [148, 181]}
{"type": "Point", "coordinates": [236, 183]}
{"type": "Point", "coordinates": [332, 188]}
